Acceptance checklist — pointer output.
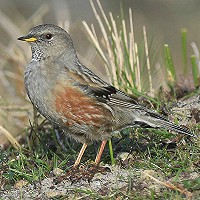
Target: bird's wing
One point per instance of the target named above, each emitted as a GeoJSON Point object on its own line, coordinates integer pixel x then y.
{"type": "Point", "coordinates": [94, 86]}
{"type": "Point", "coordinates": [104, 92]}
{"type": "Point", "coordinates": [91, 84]}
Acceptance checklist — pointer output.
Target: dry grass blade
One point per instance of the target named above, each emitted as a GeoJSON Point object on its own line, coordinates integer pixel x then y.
{"type": "Point", "coordinates": [119, 51]}
{"type": "Point", "coordinates": [125, 34]}
{"type": "Point", "coordinates": [196, 52]}
{"type": "Point", "coordinates": [108, 47]}
{"type": "Point", "coordinates": [148, 62]}
{"type": "Point", "coordinates": [131, 27]}
{"type": "Point", "coordinates": [171, 186]}
{"type": "Point", "coordinates": [132, 52]}
{"type": "Point", "coordinates": [9, 136]}
{"type": "Point", "coordinates": [93, 31]}
{"type": "Point", "coordinates": [95, 41]}
{"type": "Point", "coordinates": [117, 42]}
{"type": "Point", "coordinates": [131, 58]}
{"type": "Point", "coordinates": [104, 15]}
{"type": "Point", "coordinates": [138, 80]}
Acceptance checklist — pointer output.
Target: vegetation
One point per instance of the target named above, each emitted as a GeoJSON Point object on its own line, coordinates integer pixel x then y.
{"type": "Point", "coordinates": [168, 160]}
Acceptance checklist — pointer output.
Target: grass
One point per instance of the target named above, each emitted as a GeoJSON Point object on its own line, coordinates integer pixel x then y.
{"type": "Point", "coordinates": [168, 160]}
{"type": "Point", "coordinates": [174, 161]}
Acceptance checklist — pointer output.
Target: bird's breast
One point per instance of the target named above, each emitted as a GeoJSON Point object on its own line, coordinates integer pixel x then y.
{"type": "Point", "coordinates": [39, 84]}
{"type": "Point", "coordinates": [57, 99]}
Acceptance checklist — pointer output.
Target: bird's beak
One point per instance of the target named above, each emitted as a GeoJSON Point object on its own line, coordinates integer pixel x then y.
{"type": "Point", "coordinates": [27, 38]}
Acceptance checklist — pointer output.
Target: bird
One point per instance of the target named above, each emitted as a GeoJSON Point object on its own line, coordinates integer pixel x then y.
{"type": "Point", "coordinates": [75, 99]}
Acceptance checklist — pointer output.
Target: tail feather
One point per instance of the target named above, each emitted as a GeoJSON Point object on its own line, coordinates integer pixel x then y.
{"type": "Point", "coordinates": [143, 116]}
{"type": "Point", "coordinates": [176, 128]}
{"type": "Point", "coordinates": [159, 123]}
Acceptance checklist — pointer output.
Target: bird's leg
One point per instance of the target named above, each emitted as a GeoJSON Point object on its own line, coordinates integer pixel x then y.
{"type": "Point", "coordinates": [78, 160]}
{"type": "Point", "coordinates": [98, 157]}
{"type": "Point", "coordinates": [88, 172]}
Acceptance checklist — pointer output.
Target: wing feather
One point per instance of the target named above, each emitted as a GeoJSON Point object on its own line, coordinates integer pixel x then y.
{"type": "Point", "coordinates": [91, 84]}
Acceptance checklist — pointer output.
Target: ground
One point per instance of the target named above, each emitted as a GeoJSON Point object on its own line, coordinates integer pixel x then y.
{"type": "Point", "coordinates": [154, 168]}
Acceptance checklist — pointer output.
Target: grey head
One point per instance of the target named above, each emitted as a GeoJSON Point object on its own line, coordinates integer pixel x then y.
{"type": "Point", "coordinates": [48, 41]}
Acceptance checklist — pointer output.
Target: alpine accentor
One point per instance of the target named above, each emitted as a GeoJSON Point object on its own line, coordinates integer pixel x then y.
{"type": "Point", "coordinates": [71, 96]}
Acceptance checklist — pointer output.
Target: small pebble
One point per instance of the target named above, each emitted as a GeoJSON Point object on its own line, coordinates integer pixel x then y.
{"type": "Point", "coordinates": [57, 171]}
{"type": "Point", "coordinates": [20, 183]}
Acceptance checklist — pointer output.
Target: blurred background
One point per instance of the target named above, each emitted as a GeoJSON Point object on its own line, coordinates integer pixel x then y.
{"type": "Point", "coordinates": [163, 20]}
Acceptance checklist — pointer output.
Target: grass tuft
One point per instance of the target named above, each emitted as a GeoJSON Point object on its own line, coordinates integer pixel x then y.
{"type": "Point", "coordinates": [184, 50]}
{"type": "Point", "coordinates": [171, 74]}
{"type": "Point", "coordinates": [119, 50]}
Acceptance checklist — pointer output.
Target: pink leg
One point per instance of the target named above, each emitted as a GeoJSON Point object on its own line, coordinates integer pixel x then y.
{"type": "Point", "coordinates": [78, 160]}
{"type": "Point", "coordinates": [98, 157]}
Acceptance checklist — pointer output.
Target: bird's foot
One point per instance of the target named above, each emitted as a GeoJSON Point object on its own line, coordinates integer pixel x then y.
{"type": "Point", "coordinates": [85, 173]}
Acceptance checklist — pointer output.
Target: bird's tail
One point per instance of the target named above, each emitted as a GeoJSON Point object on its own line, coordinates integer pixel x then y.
{"type": "Point", "coordinates": [161, 123]}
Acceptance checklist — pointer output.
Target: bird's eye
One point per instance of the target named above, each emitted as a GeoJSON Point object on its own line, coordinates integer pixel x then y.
{"type": "Point", "coordinates": [48, 36]}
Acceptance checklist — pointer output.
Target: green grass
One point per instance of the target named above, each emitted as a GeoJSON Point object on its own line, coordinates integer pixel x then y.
{"type": "Point", "coordinates": [175, 160]}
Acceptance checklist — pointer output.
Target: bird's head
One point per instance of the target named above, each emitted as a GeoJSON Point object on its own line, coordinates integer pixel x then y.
{"type": "Point", "coordinates": [48, 40]}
